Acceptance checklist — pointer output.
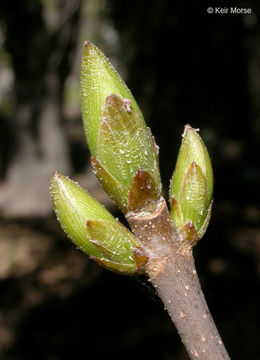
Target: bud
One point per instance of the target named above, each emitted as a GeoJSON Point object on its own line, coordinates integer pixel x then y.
{"type": "Point", "coordinates": [93, 229]}
{"type": "Point", "coordinates": [119, 141]}
{"type": "Point", "coordinates": [98, 80]}
{"type": "Point", "coordinates": [191, 187]}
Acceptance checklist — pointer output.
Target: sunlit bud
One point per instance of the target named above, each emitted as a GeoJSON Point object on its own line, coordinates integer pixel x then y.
{"type": "Point", "coordinates": [93, 229]}
{"type": "Point", "coordinates": [192, 186]}
{"type": "Point", "coordinates": [119, 141]}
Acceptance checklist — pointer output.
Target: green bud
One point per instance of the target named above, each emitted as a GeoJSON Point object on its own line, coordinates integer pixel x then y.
{"type": "Point", "coordinates": [192, 185]}
{"type": "Point", "coordinates": [99, 79]}
{"type": "Point", "coordinates": [119, 141]}
{"type": "Point", "coordinates": [93, 229]}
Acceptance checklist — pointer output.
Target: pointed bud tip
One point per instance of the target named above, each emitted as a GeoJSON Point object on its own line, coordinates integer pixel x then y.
{"type": "Point", "coordinates": [54, 180]}
{"type": "Point", "coordinates": [86, 43]}
{"type": "Point", "coordinates": [188, 127]}
{"type": "Point", "coordinates": [88, 48]}
{"type": "Point", "coordinates": [56, 175]}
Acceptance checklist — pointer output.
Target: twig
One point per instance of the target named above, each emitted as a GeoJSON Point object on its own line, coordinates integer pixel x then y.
{"type": "Point", "coordinates": [176, 281]}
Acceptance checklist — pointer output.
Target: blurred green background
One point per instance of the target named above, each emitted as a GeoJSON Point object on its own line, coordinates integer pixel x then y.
{"type": "Point", "coordinates": [183, 66]}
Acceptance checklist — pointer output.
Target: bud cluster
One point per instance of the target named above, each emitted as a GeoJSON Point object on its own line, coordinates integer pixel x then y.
{"type": "Point", "coordinates": [125, 160]}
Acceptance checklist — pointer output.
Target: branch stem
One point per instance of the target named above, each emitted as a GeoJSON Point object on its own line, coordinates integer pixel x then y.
{"type": "Point", "coordinates": [180, 290]}
{"type": "Point", "coordinates": [176, 281]}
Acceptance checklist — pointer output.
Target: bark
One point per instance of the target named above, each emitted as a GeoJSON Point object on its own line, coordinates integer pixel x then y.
{"type": "Point", "coordinates": [175, 279]}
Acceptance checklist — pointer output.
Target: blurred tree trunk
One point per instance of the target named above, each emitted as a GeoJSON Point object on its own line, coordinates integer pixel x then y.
{"type": "Point", "coordinates": [41, 42]}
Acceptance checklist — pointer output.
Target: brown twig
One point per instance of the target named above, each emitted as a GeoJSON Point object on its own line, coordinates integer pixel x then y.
{"type": "Point", "coordinates": [176, 281]}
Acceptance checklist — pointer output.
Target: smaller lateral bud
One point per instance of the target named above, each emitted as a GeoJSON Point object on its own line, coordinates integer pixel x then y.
{"type": "Point", "coordinates": [191, 187]}
{"type": "Point", "coordinates": [92, 228]}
